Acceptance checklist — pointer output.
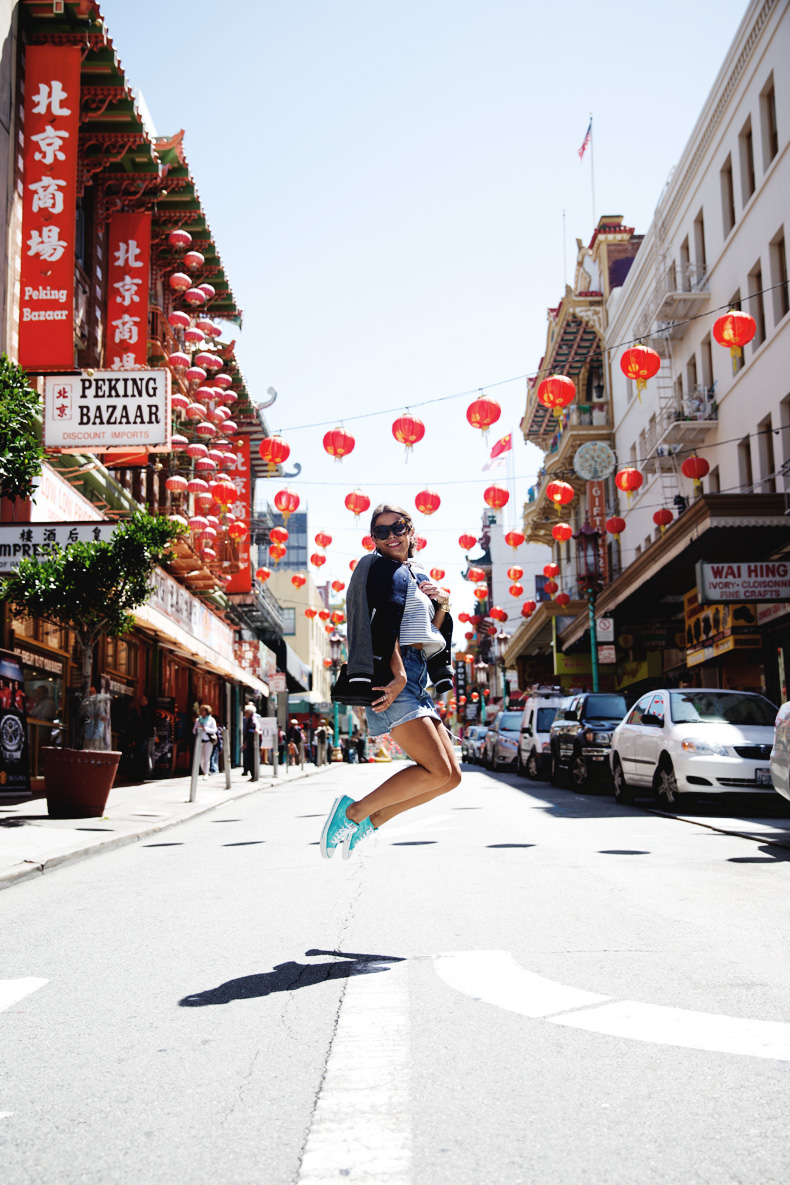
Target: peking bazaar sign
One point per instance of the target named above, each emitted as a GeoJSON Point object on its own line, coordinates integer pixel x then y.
{"type": "Point", "coordinates": [49, 201]}
{"type": "Point", "coordinates": [128, 279]}
{"type": "Point", "coordinates": [107, 409]}
{"type": "Point", "coordinates": [238, 469]}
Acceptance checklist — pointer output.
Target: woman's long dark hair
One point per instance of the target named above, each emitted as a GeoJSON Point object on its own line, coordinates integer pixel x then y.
{"type": "Point", "coordinates": [386, 508]}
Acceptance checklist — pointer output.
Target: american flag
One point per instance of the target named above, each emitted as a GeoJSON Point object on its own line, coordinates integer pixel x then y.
{"type": "Point", "coordinates": [586, 141]}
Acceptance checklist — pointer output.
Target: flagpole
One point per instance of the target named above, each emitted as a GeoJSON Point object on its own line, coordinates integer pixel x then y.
{"type": "Point", "coordinates": [592, 168]}
{"type": "Point", "coordinates": [564, 255]}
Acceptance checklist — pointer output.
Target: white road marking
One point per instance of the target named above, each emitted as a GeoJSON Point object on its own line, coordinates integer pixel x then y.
{"type": "Point", "coordinates": [5, 1114]}
{"type": "Point", "coordinates": [496, 978]}
{"type": "Point", "coordinates": [361, 1130]}
{"type": "Point", "coordinates": [14, 990]}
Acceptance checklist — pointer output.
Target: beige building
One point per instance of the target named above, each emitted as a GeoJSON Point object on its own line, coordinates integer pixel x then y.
{"type": "Point", "coordinates": [310, 639]}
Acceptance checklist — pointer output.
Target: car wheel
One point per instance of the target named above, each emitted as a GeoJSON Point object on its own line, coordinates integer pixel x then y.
{"type": "Point", "coordinates": [557, 775]}
{"type": "Point", "coordinates": [533, 766]}
{"type": "Point", "coordinates": [622, 791]}
{"type": "Point", "coordinates": [580, 773]}
{"type": "Point", "coordinates": [665, 785]}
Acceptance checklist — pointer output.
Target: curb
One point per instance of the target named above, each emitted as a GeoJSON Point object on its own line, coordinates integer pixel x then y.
{"type": "Point", "coordinates": [27, 869]}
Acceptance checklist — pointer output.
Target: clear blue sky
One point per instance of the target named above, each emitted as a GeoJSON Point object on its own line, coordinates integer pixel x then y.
{"type": "Point", "coordinates": [385, 184]}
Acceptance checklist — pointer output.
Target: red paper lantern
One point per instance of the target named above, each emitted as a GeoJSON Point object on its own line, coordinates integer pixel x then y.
{"type": "Point", "coordinates": [562, 532]}
{"type": "Point", "coordinates": [194, 260]}
{"type": "Point", "coordinates": [516, 590]}
{"type": "Point", "coordinates": [352, 564]}
{"type": "Point", "coordinates": [323, 614]}
{"type": "Point", "coordinates": [408, 430]}
{"type": "Point", "coordinates": [338, 585]}
{"type": "Point", "coordinates": [696, 468]}
{"type": "Point", "coordinates": [419, 542]}
{"type": "Point", "coordinates": [339, 443]}
{"type": "Point", "coordinates": [298, 580]}
{"type": "Point", "coordinates": [178, 359]}
{"type": "Point", "coordinates": [640, 363]}
{"type": "Point", "coordinates": [481, 594]}
{"type": "Point", "coordinates": [338, 617]}
{"type": "Point", "coordinates": [462, 700]}
{"type": "Point", "coordinates": [560, 493]}
{"type": "Point", "coordinates": [496, 497]}
{"type": "Point", "coordinates": [437, 574]}
{"type": "Point", "coordinates": [330, 629]}
{"type": "Point", "coordinates": [357, 502]}
{"type": "Point", "coordinates": [516, 572]}
{"type": "Point", "coordinates": [628, 480]}
{"type": "Point", "coordinates": [662, 518]}
{"type": "Point", "coordinates": [464, 617]}
{"type": "Point", "coordinates": [562, 599]}
{"type": "Point", "coordinates": [263, 574]}
{"type": "Point", "coordinates": [475, 696]}
{"type": "Point", "coordinates": [615, 525]}
{"type": "Point", "coordinates": [207, 290]}
{"type": "Point", "coordinates": [528, 608]}
{"type": "Point", "coordinates": [427, 501]}
{"type": "Point", "coordinates": [274, 450]}
{"type": "Point", "coordinates": [310, 612]}
{"type": "Point", "coordinates": [469, 635]}
{"type": "Point", "coordinates": [556, 392]}
{"type": "Point", "coordinates": [317, 559]}
{"type": "Point", "coordinates": [277, 551]}
{"type": "Point", "coordinates": [176, 484]}
{"type": "Point", "coordinates": [367, 543]}
{"type": "Point", "coordinates": [551, 570]}
{"type": "Point", "coordinates": [475, 574]}
{"type": "Point", "coordinates": [286, 501]}
{"type": "Point", "coordinates": [497, 613]}
{"type": "Point", "coordinates": [224, 491]}
{"type": "Point", "coordinates": [278, 535]}
{"type": "Point", "coordinates": [467, 542]}
{"type": "Point", "coordinates": [180, 282]}
{"type": "Point", "coordinates": [179, 238]}
{"type": "Point", "coordinates": [514, 539]}
{"type": "Point", "coordinates": [327, 663]}
{"type": "Point", "coordinates": [322, 539]}
{"type": "Point", "coordinates": [551, 587]}
{"type": "Point", "coordinates": [194, 297]}
{"type": "Point", "coordinates": [733, 331]}
{"type": "Point", "coordinates": [483, 412]}
{"type": "Point", "coordinates": [237, 530]}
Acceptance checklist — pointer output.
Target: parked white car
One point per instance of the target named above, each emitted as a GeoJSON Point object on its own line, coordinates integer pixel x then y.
{"type": "Point", "coordinates": [500, 746]}
{"type": "Point", "coordinates": [694, 741]}
{"type": "Point", "coordinates": [780, 753]}
{"type": "Point", "coordinates": [474, 735]}
{"type": "Point", "coordinates": [534, 746]}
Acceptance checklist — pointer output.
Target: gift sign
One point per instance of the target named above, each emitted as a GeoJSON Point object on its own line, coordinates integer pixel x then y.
{"type": "Point", "coordinates": [128, 277]}
{"type": "Point", "coordinates": [46, 299]}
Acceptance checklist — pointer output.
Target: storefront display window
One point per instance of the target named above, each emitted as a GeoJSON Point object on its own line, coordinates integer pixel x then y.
{"type": "Point", "coordinates": [44, 702]}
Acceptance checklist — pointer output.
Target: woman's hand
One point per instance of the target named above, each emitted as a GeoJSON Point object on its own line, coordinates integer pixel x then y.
{"type": "Point", "coordinates": [432, 590]}
{"type": "Point", "coordinates": [390, 693]}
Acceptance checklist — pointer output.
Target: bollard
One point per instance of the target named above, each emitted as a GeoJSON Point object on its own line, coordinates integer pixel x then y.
{"type": "Point", "coordinates": [226, 755]}
{"type": "Point", "coordinates": [193, 785]}
{"type": "Point", "coordinates": [256, 760]}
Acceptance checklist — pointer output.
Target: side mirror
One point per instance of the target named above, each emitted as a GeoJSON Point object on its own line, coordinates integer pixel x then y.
{"type": "Point", "coordinates": [652, 721]}
{"type": "Point", "coordinates": [526, 732]}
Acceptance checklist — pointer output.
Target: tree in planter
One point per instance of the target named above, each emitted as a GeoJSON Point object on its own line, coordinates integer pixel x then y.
{"type": "Point", "coordinates": [20, 448]}
{"type": "Point", "coordinates": [92, 588]}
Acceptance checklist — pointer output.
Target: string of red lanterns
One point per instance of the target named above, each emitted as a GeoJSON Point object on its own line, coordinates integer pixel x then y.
{"type": "Point", "coordinates": [640, 363]}
{"type": "Point", "coordinates": [556, 392]}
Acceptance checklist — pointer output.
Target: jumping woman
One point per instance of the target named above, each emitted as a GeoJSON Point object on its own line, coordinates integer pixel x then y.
{"type": "Point", "coordinates": [399, 637]}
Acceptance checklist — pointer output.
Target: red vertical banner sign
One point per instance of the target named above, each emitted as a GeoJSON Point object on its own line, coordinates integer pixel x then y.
{"type": "Point", "coordinates": [596, 512]}
{"type": "Point", "coordinates": [128, 279]}
{"type": "Point", "coordinates": [49, 207]}
{"type": "Point", "coordinates": [239, 470]}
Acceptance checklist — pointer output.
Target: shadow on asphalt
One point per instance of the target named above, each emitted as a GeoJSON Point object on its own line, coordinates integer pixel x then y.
{"type": "Point", "coordinates": [290, 976]}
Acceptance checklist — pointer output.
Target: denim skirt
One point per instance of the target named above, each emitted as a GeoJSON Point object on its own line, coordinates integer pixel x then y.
{"type": "Point", "coordinates": [411, 703]}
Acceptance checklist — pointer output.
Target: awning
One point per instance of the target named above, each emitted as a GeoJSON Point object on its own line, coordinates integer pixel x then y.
{"type": "Point", "coordinates": [151, 619]}
{"type": "Point", "coordinates": [298, 673]}
{"type": "Point", "coordinates": [711, 530]}
{"type": "Point", "coordinates": [535, 633]}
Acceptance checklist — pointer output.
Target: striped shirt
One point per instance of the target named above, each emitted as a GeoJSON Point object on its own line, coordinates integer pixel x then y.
{"type": "Point", "coordinates": [417, 624]}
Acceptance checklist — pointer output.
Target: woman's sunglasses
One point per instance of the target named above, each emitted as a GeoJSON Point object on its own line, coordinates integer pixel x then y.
{"type": "Point", "coordinates": [382, 533]}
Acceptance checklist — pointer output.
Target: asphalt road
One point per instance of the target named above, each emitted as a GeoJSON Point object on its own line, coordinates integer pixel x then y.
{"type": "Point", "coordinates": [515, 984]}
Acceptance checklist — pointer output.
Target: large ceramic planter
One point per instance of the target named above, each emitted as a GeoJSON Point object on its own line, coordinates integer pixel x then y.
{"type": "Point", "coordinates": [78, 781]}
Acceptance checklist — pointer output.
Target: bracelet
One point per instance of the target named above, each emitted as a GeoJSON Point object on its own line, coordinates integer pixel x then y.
{"type": "Point", "coordinates": [445, 605]}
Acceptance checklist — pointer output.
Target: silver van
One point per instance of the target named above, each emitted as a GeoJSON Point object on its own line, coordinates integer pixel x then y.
{"type": "Point", "coordinates": [534, 748]}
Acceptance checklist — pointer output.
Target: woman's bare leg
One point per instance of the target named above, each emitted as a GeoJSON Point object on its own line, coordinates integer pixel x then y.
{"type": "Point", "coordinates": [436, 771]}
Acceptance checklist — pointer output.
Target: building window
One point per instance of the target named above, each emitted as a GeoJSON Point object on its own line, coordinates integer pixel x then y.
{"type": "Point", "coordinates": [770, 131]}
{"type": "Point", "coordinates": [691, 375]}
{"type": "Point", "coordinates": [632, 454]}
{"type": "Point", "coordinates": [679, 389]}
{"type": "Point", "coordinates": [746, 152]}
{"type": "Point", "coordinates": [685, 266]}
{"type": "Point", "coordinates": [727, 197]}
{"type": "Point", "coordinates": [739, 361]}
{"type": "Point", "coordinates": [706, 355]}
{"type": "Point", "coordinates": [699, 245]}
{"type": "Point", "coordinates": [745, 465]}
{"type": "Point", "coordinates": [714, 482]}
{"type": "Point", "coordinates": [765, 450]}
{"type": "Point", "coordinates": [757, 304]}
{"type": "Point", "coordinates": [779, 276]}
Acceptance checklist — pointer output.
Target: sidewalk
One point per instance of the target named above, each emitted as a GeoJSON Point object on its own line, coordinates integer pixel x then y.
{"type": "Point", "coordinates": [32, 843]}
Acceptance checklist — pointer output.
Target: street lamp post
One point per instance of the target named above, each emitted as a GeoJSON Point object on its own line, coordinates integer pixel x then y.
{"type": "Point", "coordinates": [335, 642]}
{"type": "Point", "coordinates": [481, 672]}
{"type": "Point", "coordinates": [502, 643]}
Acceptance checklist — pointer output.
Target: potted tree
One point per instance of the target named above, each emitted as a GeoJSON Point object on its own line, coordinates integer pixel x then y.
{"type": "Point", "coordinates": [91, 588]}
{"type": "Point", "coordinates": [20, 448]}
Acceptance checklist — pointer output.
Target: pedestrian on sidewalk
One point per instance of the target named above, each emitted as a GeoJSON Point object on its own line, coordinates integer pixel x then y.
{"type": "Point", "coordinates": [320, 743]}
{"type": "Point", "coordinates": [205, 731]}
{"type": "Point", "coordinates": [398, 614]}
{"type": "Point", "coordinates": [249, 732]}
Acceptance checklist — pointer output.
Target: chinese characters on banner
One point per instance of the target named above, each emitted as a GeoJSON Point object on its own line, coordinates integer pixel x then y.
{"type": "Point", "coordinates": [596, 511]}
{"type": "Point", "coordinates": [52, 110]}
{"type": "Point", "coordinates": [238, 468]}
{"type": "Point", "coordinates": [128, 276]}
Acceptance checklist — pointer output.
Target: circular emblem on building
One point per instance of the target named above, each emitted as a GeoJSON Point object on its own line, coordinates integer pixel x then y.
{"type": "Point", "coordinates": [594, 461]}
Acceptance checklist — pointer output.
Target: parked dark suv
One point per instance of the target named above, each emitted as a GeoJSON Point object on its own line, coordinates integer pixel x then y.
{"type": "Point", "coordinates": [581, 737]}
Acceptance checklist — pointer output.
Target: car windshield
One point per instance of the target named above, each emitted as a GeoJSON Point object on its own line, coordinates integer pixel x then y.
{"type": "Point", "coordinates": [545, 718]}
{"type": "Point", "coordinates": [510, 722]}
{"type": "Point", "coordinates": [605, 707]}
{"type": "Point", "coordinates": [720, 707]}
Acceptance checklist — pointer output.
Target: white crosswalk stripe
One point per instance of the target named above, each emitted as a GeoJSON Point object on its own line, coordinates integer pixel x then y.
{"type": "Point", "coordinates": [14, 990]}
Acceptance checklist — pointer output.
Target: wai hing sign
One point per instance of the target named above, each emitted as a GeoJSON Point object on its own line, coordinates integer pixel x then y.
{"type": "Point", "coordinates": [108, 409]}
{"type": "Point", "coordinates": [762, 581]}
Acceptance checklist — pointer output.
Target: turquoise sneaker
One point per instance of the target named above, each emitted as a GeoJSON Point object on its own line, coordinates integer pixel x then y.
{"type": "Point", "coordinates": [337, 826]}
{"type": "Point", "coordinates": [364, 829]}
